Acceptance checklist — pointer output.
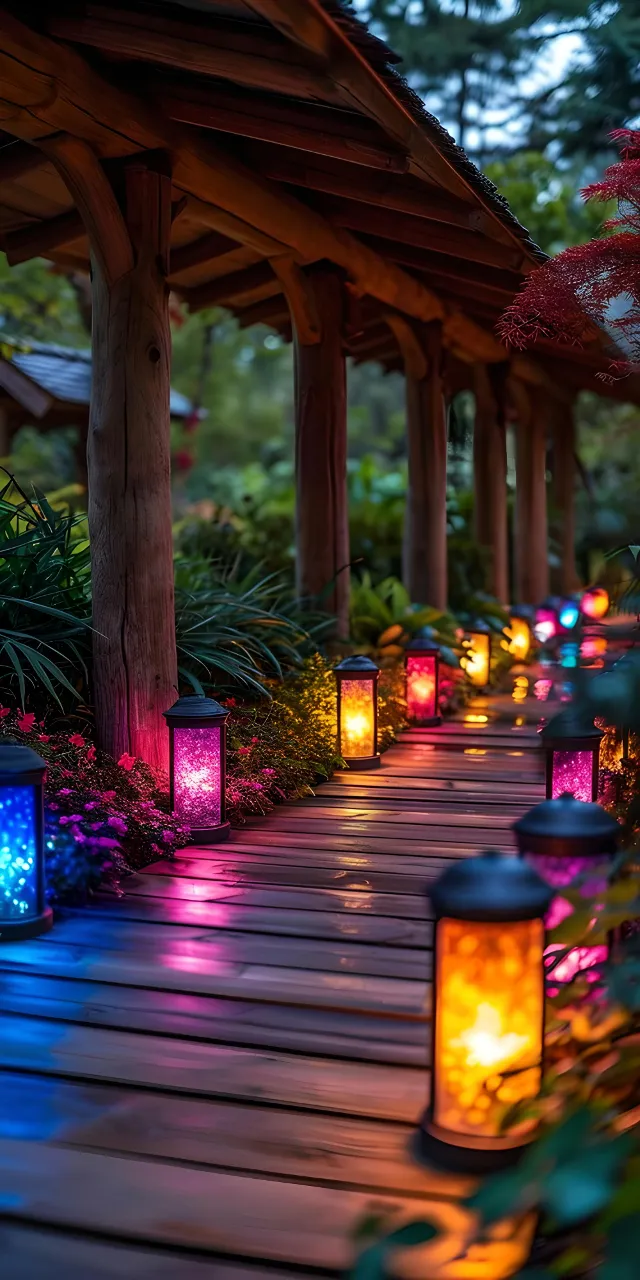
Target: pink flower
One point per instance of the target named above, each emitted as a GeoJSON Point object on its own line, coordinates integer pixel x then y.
{"type": "Point", "coordinates": [91, 805]}
{"type": "Point", "coordinates": [106, 795]}
{"type": "Point", "coordinates": [76, 740]}
{"type": "Point", "coordinates": [91, 754]}
{"type": "Point", "coordinates": [26, 721]}
{"type": "Point", "coordinates": [44, 737]}
{"type": "Point", "coordinates": [167, 836]}
{"type": "Point", "coordinates": [126, 761]}
{"type": "Point", "coordinates": [254, 740]}
{"type": "Point", "coordinates": [117, 823]}
{"type": "Point", "coordinates": [244, 751]}
{"type": "Point", "coordinates": [65, 791]}
{"type": "Point", "coordinates": [270, 773]}
{"type": "Point", "coordinates": [231, 702]}
{"type": "Point", "coordinates": [4, 711]}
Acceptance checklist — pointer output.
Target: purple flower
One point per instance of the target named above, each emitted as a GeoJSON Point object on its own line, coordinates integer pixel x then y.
{"type": "Point", "coordinates": [270, 773]}
{"type": "Point", "coordinates": [167, 836]}
{"type": "Point", "coordinates": [65, 791]}
{"type": "Point", "coordinates": [117, 823]}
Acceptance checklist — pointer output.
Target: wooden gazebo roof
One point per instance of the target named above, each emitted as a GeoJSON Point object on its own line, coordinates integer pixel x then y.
{"type": "Point", "coordinates": [292, 140]}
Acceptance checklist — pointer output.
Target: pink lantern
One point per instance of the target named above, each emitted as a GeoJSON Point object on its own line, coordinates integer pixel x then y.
{"type": "Point", "coordinates": [422, 663]}
{"type": "Point", "coordinates": [572, 745]}
{"type": "Point", "coordinates": [545, 625]}
{"type": "Point", "coordinates": [197, 753]}
{"type": "Point", "coordinates": [563, 839]}
{"type": "Point", "coordinates": [595, 603]}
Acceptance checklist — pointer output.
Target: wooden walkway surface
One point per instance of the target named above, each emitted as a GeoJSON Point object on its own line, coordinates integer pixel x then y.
{"type": "Point", "coordinates": [219, 1075]}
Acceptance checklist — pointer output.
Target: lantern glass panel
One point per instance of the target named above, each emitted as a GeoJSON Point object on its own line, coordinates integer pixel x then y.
{"type": "Point", "coordinates": [489, 1021]}
{"type": "Point", "coordinates": [477, 658]}
{"type": "Point", "coordinates": [519, 638]}
{"type": "Point", "coordinates": [572, 773]}
{"type": "Point", "coordinates": [197, 775]}
{"type": "Point", "coordinates": [559, 871]}
{"type": "Point", "coordinates": [19, 886]}
{"type": "Point", "coordinates": [421, 686]}
{"type": "Point", "coordinates": [357, 718]}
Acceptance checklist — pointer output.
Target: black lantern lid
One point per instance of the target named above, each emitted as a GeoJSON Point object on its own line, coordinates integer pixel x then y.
{"type": "Point", "coordinates": [567, 827]}
{"type": "Point", "coordinates": [492, 887]}
{"type": "Point", "coordinates": [524, 611]}
{"type": "Point", "coordinates": [478, 626]}
{"type": "Point", "coordinates": [20, 764]}
{"type": "Point", "coordinates": [571, 728]}
{"type": "Point", "coordinates": [357, 664]}
{"type": "Point", "coordinates": [193, 709]}
{"type": "Point", "coordinates": [423, 642]}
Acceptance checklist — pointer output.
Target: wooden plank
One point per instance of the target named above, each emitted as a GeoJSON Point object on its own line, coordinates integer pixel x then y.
{"type": "Point", "coordinates": [172, 969]}
{"type": "Point", "coordinates": [205, 1209]}
{"type": "Point", "coordinates": [126, 1058]}
{"type": "Point", "coordinates": [400, 905]}
{"type": "Point", "coordinates": [434, 841]}
{"type": "Point", "coordinates": [33, 1252]}
{"type": "Point", "coordinates": [241, 870]}
{"type": "Point", "coordinates": [301, 1146]}
{"type": "Point", "coordinates": [353, 1035]}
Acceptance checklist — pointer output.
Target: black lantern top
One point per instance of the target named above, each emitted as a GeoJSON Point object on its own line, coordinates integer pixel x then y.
{"type": "Point", "coordinates": [567, 828]}
{"type": "Point", "coordinates": [422, 642]}
{"type": "Point", "coordinates": [524, 611]}
{"type": "Point", "coordinates": [19, 764]}
{"type": "Point", "coordinates": [492, 887]}
{"type": "Point", "coordinates": [195, 710]}
{"type": "Point", "coordinates": [478, 626]}
{"type": "Point", "coordinates": [571, 730]}
{"type": "Point", "coordinates": [357, 665]}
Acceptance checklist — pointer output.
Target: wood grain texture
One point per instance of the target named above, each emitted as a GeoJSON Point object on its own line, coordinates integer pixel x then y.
{"type": "Point", "coordinates": [425, 552]}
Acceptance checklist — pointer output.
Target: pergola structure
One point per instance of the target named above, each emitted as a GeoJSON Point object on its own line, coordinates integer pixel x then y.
{"type": "Point", "coordinates": [264, 155]}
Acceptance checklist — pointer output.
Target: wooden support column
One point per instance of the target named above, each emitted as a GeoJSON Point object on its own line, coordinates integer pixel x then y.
{"type": "Point", "coordinates": [322, 517]}
{"type": "Point", "coordinates": [80, 451]}
{"type": "Point", "coordinates": [531, 551]}
{"type": "Point", "coordinates": [490, 476]}
{"type": "Point", "coordinates": [425, 546]}
{"type": "Point", "coordinates": [129, 508]}
{"type": "Point", "coordinates": [564, 476]}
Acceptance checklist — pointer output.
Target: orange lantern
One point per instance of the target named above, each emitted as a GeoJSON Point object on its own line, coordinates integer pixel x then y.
{"type": "Point", "coordinates": [476, 659]}
{"type": "Point", "coordinates": [595, 603]}
{"type": "Point", "coordinates": [488, 1014]}
{"type": "Point", "coordinates": [357, 679]}
{"type": "Point", "coordinates": [518, 632]}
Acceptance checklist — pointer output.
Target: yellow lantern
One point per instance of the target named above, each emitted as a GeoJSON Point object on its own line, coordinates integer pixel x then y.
{"type": "Point", "coordinates": [476, 659]}
{"type": "Point", "coordinates": [518, 633]}
{"type": "Point", "coordinates": [357, 679]}
{"type": "Point", "coordinates": [488, 1013]}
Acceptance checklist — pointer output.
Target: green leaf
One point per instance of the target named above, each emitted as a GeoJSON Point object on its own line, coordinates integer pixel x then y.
{"type": "Point", "coordinates": [372, 1263]}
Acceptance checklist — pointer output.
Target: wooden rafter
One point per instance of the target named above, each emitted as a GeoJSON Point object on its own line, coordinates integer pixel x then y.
{"type": "Point", "coordinates": [313, 129]}
{"type": "Point", "coordinates": [409, 230]}
{"type": "Point", "coordinates": [240, 288]}
{"type": "Point", "coordinates": [39, 238]}
{"type": "Point", "coordinates": [199, 251]}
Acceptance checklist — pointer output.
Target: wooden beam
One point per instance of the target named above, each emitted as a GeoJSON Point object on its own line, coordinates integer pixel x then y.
{"type": "Point", "coordinates": [425, 547]}
{"type": "Point", "coordinates": [135, 675]}
{"type": "Point", "coordinates": [322, 519]}
{"type": "Point", "coordinates": [408, 195]}
{"type": "Point", "coordinates": [301, 299]}
{"type": "Point", "coordinates": [252, 284]}
{"type": "Point", "coordinates": [409, 230]}
{"type": "Point", "coordinates": [38, 238]}
{"type": "Point", "coordinates": [18, 158]}
{"type": "Point", "coordinates": [412, 349]}
{"type": "Point", "coordinates": [85, 178]}
{"type": "Point", "coordinates": [24, 390]}
{"type": "Point", "coordinates": [564, 490]}
{"type": "Point", "coordinates": [531, 550]}
{"type": "Point", "coordinates": [305, 28]}
{"type": "Point", "coordinates": [199, 49]}
{"type": "Point", "coordinates": [490, 476]}
{"type": "Point", "coordinates": [196, 252]}
{"type": "Point", "coordinates": [273, 311]}
{"type": "Point", "coordinates": [209, 215]}
{"type": "Point", "coordinates": [460, 331]}
{"type": "Point", "coordinates": [310, 128]}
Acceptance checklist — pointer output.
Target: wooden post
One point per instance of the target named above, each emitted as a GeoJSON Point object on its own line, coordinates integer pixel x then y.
{"type": "Point", "coordinates": [490, 476]}
{"type": "Point", "coordinates": [531, 552]}
{"type": "Point", "coordinates": [322, 517]}
{"type": "Point", "coordinates": [81, 454]}
{"type": "Point", "coordinates": [564, 473]}
{"type": "Point", "coordinates": [425, 549]}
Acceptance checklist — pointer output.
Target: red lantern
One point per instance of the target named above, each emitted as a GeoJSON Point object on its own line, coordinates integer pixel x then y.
{"type": "Point", "coordinates": [422, 674]}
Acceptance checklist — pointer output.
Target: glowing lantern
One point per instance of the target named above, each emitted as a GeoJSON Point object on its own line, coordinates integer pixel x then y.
{"type": "Point", "coordinates": [563, 839]}
{"type": "Point", "coordinates": [595, 603]}
{"type": "Point", "coordinates": [357, 679]}
{"type": "Point", "coordinates": [488, 1015]}
{"type": "Point", "coordinates": [476, 659]}
{"type": "Point", "coordinates": [568, 614]}
{"type": "Point", "coordinates": [23, 909]}
{"type": "Point", "coordinates": [545, 626]}
{"type": "Point", "coordinates": [422, 663]}
{"type": "Point", "coordinates": [197, 765]}
{"type": "Point", "coordinates": [518, 632]}
{"type": "Point", "coordinates": [572, 745]}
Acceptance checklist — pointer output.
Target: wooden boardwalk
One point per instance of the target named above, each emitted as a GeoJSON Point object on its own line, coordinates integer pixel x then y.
{"type": "Point", "coordinates": [219, 1076]}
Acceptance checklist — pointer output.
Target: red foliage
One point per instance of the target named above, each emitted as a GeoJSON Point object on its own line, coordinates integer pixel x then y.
{"type": "Point", "coordinates": [568, 296]}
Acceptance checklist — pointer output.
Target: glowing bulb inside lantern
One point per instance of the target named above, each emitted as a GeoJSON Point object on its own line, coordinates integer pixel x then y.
{"type": "Point", "coordinates": [520, 689]}
{"type": "Point", "coordinates": [357, 718]}
{"type": "Point", "coordinates": [476, 659]}
{"type": "Point", "coordinates": [197, 775]}
{"type": "Point", "coordinates": [519, 637]}
{"type": "Point", "coordinates": [421, 686]}
{"type": "Point", "coordinates": [568, 615]}
{"type": "Point", "coordinates": [572, 773]}
{"type": "Point", "coordinates": [486, 1043]}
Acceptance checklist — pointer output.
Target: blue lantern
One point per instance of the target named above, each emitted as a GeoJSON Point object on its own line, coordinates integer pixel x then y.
{"type": "Point", "coordinates": [23, 909]}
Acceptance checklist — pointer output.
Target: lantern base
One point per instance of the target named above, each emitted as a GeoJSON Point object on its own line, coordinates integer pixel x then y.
{"type": "Point", "coordinates": [210, 835]}
{"type": "Point", "coordinates": [363, 762]}
{"type": "Point", "coordinates": [17, 930]}
{"type": "Point", "coordinates": [429, 722]}
{"type": "Point", "coordinates": [458, 1153]}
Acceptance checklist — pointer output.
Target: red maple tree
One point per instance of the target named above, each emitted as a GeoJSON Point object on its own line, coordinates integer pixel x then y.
{"type": "Point", "coordinates": [594, 284]}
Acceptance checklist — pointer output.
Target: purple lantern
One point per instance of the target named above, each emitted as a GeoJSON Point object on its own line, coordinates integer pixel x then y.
{"type": "Point", "coordinates": [197, 755]}
{"type": "Point", "coordinates": [563, 839]}
{"type": "Point", "coordinates": [422, 663]}
{"type": "Point", "coordinates": [572, 746]}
